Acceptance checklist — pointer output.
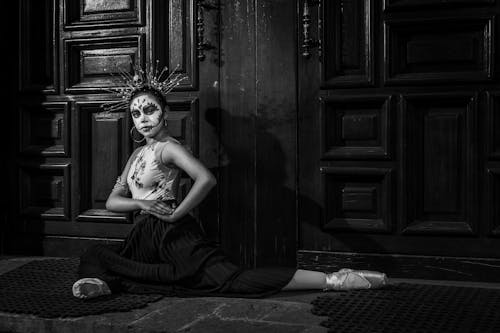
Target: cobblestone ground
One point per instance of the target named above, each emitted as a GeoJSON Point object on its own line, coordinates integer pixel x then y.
{"type": "Point", "coordinates": [286, 312]}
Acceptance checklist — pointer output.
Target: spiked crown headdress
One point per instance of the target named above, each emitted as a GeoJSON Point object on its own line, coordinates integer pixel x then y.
{"type": "Point", "coordinates": [142, 80]}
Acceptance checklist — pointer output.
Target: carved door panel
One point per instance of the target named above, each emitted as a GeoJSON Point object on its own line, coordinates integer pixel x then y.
{"type": "Point", "coordinates": [70, 153]}
{"type": "Point", "coordinates": [398, 151]}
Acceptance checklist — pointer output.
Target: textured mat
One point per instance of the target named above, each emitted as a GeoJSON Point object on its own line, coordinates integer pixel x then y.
{"type": "Point", "coordinates": [43, 288]}
{"type": "Point", "coordinates": [411, 308]}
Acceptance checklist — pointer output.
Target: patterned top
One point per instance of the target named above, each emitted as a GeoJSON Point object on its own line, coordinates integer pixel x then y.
{"type": "Point", "coordinates": [149, 179]}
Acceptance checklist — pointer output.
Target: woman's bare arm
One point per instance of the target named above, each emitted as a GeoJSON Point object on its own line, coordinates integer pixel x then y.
{"type": "Point", "coordinates": [204, 180]}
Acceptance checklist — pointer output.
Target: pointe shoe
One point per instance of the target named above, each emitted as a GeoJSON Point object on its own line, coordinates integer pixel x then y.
{"type": "Point", "coordinates": [90, 288]}
{"type": "Point", "coordinates": [348, 279]}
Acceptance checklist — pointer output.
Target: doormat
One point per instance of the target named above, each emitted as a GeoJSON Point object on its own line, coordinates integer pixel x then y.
{"type": "Point", "coordinates": [43, 288]}
{"type": "Point", "coordinates": [411, 308]}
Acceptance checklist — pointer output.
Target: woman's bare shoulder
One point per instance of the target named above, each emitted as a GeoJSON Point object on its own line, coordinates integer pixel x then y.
{"type": "Point", "coordinates": [168, 149]}
{"type": "Point", "coordinates": [169, 144]}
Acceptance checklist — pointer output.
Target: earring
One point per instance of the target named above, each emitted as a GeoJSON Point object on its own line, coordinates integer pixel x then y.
{"type": "Point", "coordinates": [132, 135]}
{"type": "Point", "coordinates": [165, 122]}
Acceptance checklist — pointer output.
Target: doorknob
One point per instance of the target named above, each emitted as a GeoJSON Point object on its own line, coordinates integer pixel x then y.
{"type": "Point", "coordinates": [308, 42]}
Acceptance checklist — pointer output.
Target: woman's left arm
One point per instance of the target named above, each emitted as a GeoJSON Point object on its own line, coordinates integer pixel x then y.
{"type": "Point", "coordinates": [204, 180]}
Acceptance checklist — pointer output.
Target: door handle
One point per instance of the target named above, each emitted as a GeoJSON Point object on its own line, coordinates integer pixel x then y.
{"type": "Point", "coordinates": [308, 42]}
{"type": "Point", "coordinates": [202, 46]}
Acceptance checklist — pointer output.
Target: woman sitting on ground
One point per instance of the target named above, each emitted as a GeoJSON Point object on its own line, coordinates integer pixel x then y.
{"type": "Point", "coordinates": [167, 251]}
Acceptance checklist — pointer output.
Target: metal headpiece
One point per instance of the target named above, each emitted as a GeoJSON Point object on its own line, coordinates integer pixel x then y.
{"type": "Point", "coordinates": [142, 80]}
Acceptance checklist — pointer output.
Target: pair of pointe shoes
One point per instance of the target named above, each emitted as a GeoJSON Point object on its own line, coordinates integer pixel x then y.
{"type": "Point", "coordinates": [349, 279]}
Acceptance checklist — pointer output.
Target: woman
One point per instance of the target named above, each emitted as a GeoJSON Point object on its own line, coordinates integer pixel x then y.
{"type": "Point", "coordinates": [166, 251]}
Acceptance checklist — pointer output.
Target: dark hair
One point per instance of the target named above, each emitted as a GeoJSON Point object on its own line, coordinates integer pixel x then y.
{"type": "Point", "coordinates": [148, 90]}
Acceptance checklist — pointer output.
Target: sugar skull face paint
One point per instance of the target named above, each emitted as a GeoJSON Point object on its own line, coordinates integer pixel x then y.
{"type": "Point", "coordinates": [147, 114]}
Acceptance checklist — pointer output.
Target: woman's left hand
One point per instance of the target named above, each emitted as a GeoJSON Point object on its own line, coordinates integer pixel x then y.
{"type": "Point", "coordinates": [170, 218]}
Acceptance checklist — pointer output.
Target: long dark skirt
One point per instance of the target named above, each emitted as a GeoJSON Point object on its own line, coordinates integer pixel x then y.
{"type": "Point", "coordinates": [177, 259]}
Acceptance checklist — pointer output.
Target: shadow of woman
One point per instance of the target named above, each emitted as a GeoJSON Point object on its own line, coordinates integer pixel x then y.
{"type": "Point", "coordinates": [257, 224]}
{"type": "Point", "coordinates": [257, 221]}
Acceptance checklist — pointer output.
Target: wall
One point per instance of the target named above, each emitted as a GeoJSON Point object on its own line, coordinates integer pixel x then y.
{"type": "Point", "coordinates": [258, 131]}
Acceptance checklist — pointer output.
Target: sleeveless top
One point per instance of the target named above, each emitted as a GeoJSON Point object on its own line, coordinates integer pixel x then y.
{"type": "Point", "coordinates": [149, 179]}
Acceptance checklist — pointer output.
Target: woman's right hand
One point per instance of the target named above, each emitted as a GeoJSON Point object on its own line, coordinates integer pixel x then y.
{"type": "Point", "coordinates": [156, 206]}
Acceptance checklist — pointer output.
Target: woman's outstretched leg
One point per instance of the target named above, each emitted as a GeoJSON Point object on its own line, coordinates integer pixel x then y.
{"type": "Point", "coordinates": [304, 279]}
{"type": "Point", "coordinates": [344, 279]}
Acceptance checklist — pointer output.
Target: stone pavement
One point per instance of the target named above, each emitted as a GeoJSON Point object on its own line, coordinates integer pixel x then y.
{"type": "Point", "coordinates": [285, 312]}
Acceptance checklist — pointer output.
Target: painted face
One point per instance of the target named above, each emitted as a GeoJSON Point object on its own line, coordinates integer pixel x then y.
{"type": "Point", "coordinates": [147, 114]}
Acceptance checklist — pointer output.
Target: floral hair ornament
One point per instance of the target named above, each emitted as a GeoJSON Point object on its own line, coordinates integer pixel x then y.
{"type": "Point", "coordinates": [142, 80]}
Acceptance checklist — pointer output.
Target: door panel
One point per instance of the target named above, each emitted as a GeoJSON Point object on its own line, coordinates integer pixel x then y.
{"type": "Point", "coordinates": [348, 43]}
{"type": "Point", "coordinates": [439, 50]}
{"type": "Point", "coordinates": [103, 152]}
{"type": "Point", "coordinates": [45, 190]}
{"type": "Point", "coordinates": [38, 35]}
{"type": "Point", "coordinates": [356, 127]}
{"type": "Point", "coordinates": [46, 129]}
{"type": "Point", "coordinates": [92, 61]}
{"type": "Point", "coordinates": [493, 187]}
{"type": "Point", "coordinates": [103, 14]}
{"type": "Point", "coordinates": [440, 164]}
{"type": "Point", "coordinates": [70, 153]}
{"type": "Point", "coordinates": [179, 51]}
{"type": "Point", "coordinates": [358, 199]}
{"type": "Point", "coordinates": [493, 135]}
{"type": "Point", "coordinates": [412, 4]}
{"type": "Point", "coordinates": [398, 151]}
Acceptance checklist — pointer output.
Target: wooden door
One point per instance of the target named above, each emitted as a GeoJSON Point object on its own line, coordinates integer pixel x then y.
{"type": "Point", "coordinates": [68, 154]}
{"type": "Point", "coordinates": [398, 158]}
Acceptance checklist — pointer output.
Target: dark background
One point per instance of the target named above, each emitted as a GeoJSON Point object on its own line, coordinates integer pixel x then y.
{"type": "Point", "coordinates": [356, 133]}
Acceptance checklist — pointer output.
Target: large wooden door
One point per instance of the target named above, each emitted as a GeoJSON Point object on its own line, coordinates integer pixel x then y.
{"type": "Point", "coordinates": [399, 112]}
{"type": "Point", "coordinates": [67, 155]}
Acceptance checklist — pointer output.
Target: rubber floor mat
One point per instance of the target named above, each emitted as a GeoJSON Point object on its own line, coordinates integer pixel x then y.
{"type": "Point", "coordinates": [43, 288]}
{"type": "Point", "coordinates": [411, 308]}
